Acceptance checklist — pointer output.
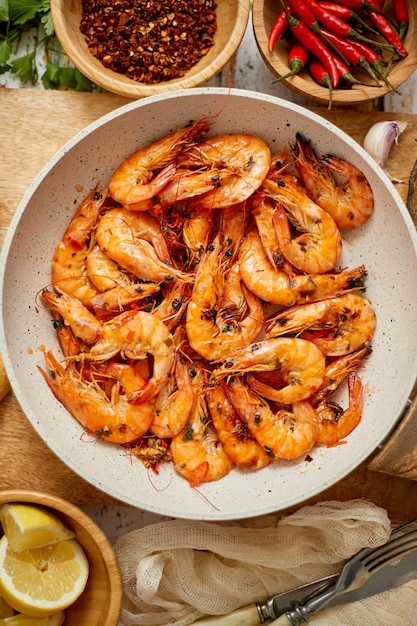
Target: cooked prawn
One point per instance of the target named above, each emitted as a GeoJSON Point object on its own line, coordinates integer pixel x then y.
{"type": "Point", "coordinates": [319, 246]}
{"type": "Point", "coordinates": [68, 263]}
{"type": "Point", "coordinates": [135, 334]}
{"type": "Point", "coordinates": [274, 285]}
{"type": "Point", "coordinates": [196, 229]}
{"type": "Point", "coordinates": [197, 454]}
{"type": "Point", "coordinates": [117, 289]}
{"type": "Point", "coordinates": [338, 369]}
{"type": "Point", "coordinates": [247, 157]}
{"type": "Point", "coordinates": [131, 250]}
{"type": "Point", "coordinates": [334, 423]}
{"type": "Point", "coordinates": [239, 444]}
{"type": "Point", "coordinates": [134, 179]}
{"type": "Point", "coordinates": [172, 306]}
{"type": "Point", "coordinates": [142, 226]}
{"type": "Point", "coordinates": [103, 272]}
{"type": "Point", "coordinates": [117, 299]}
{"type": "Point", "coordinates": [349, 322]}
{"type": "Point", "coordinates": [115, 419]}
{"type": "Point", "coordinates": [84, 325]}
{"type": "Point", "coordinates": [284, 434]}
{"type": "Point", "coordinates": [300, 363]}
{"type": "Point", "coordinates": [263, 214]}
{"type": "Point", "coordinates": [350, 203]}
{"type": "Point", "coordinates": [232, 224]}
{"type": "Point", "coordinates": [173, 403]}
{"type": "Point", "coordinates": [187, 185]}
{"type": "Point", "coordinates": [68, 342]}
{"type": "Point", "coordinates": [222, 314]}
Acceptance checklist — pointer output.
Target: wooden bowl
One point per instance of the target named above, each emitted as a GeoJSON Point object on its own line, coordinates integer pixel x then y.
{"type": "Point", "coordinates": [264, 14]}
{"type": "Point", "coordinates": [232, 19]}
{"type": "Point", "coordinates": [101, 601]}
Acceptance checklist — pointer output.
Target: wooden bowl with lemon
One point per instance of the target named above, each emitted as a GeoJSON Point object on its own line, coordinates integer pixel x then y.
{"type": "Point", "coordinates": [56, 565]}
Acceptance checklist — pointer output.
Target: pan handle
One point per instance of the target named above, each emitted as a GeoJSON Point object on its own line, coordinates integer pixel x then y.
{"type": "Point", "coordinates": [399, 454]}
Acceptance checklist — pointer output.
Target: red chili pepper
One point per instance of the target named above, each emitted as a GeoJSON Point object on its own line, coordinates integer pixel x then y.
{"type": "Point", "coordinates": [402, 17]}
{"type": "Point", "coordinates": [357, 4]}
{"type": "Point", "coordinates": [278, 28]}
{"type": "Point", "coordinates": [314, 45]}
{"type": "Point", "coordinates": [370, 55]}
{"type": "Point", "coordinates": [333, 23]}
{"type": "Point", "coordinates": [297, 60]}
{"type": "Point", "coordinates": [383, 25]}
{"type": "Point", "coordinates": [349, 52]}
{"type": "Point", "coordinates": [301, 10]}
{"type": "Point", "coordinates": [374, 61]}
{"type": "Point", "coordinates": [322, 77]}
{"type": "Point", "coordinates": [344, 72]}
{"type": "Point", "coordinates": [345, 13]}
{"type": "Point", "coordinates": [339, 9]}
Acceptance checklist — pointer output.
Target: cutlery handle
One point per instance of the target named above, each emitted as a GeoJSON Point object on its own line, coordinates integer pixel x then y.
{"type": "Point", "coordinates": [246, 616]}
{"type": "Point", "coordinates": [281, 621]}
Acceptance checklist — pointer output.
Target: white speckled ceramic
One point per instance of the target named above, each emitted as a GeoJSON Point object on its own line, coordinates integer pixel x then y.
{"type": "Point", "coordinates": [386, 245]}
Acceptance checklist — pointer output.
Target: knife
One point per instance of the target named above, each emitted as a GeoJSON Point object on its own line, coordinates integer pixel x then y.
{"type": "Point", "coordinates": [255, 614]}
{"type": "Point", "coordinates": [277, 605]}
{"type": "Point", "coordinates": [393, 574]}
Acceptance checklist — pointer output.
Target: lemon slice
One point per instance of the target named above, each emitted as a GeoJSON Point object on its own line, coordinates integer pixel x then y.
{"type": "Point", "coordinates": [25, 620]}
{"type": "Point", "coordinates": [42, 581]}
{"type": "Point", "coordinates": [28, 526]}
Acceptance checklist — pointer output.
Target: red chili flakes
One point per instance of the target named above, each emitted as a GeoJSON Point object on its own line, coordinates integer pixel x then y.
{"type": "Point", "coordinates": [150, 41]}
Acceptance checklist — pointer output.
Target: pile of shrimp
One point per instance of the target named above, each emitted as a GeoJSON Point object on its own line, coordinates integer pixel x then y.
{"type": "Point", "coordinates": [200, 308]}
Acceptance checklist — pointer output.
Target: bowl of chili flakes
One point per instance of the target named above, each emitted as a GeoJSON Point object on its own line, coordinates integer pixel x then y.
{"type": "Point", "coordinates": [396, 68]}
{"type": "Point", "coordinates": [141, 48]}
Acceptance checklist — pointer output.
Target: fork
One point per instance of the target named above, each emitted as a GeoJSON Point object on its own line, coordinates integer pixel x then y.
{"type": "Point", "coordinates": [354, 574]}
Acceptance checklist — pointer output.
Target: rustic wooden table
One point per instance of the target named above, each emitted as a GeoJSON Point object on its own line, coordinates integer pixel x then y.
{"type": "Point", "coordinates": [32, 131]}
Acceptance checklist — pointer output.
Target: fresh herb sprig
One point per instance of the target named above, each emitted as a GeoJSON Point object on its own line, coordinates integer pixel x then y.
{"type": "Point", "coordinates": [19, 17]}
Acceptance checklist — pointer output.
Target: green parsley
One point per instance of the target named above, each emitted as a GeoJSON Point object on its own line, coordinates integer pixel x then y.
{"type": "Point", "coordinates": [21, 17]}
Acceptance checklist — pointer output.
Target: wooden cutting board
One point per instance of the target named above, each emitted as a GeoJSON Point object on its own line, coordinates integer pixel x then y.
{"type": "Point", "coordinates": [34, 125]}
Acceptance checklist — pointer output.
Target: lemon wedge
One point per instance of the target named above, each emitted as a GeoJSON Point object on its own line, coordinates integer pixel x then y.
{"type": "Point", "coordinates": [28, 526]}
{"type": "Point", "coordinates": [25, 620]}
{"type": "Point", "coordinates": [42, 581]}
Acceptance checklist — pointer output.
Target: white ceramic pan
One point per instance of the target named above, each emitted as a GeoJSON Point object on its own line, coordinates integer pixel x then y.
{"type": "Point", "coordinates": [386, 245]}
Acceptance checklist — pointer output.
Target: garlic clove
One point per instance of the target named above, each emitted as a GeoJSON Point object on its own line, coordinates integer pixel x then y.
{"type": "Point", "coordinates": [379, 140]}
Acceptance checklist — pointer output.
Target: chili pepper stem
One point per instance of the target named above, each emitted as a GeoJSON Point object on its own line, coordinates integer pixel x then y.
{"type": "Point", "coordinates": [371, 42]}
{"type": "Point", "coordinates": [402, 29]}
{"type": "Point", "coordinates": [287, 75]}
{"type": "Point", "coordinates": [388, 83]}
{"type": "Point", "coordinates": [366, 66]}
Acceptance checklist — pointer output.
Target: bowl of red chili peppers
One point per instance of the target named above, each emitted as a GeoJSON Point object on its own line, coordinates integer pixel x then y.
{"type": "Point", "coordinates": [338, 51]}
{"type": "Point", "coordinates": [138, 49]}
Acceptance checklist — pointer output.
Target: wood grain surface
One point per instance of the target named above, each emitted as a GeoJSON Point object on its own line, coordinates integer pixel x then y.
{"type": "Point", "coordinates": [35, 124]}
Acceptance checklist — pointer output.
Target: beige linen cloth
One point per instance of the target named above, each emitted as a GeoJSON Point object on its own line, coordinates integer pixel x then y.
{"type": "Point", "coordinates": [178, 571]}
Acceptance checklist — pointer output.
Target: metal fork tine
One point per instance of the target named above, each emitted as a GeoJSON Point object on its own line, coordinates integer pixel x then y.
{"type": "Point", "coordinates": [392, 558]}
{"type": "Point", "coordinates": [391, 555]}
{"type": "Point", "coordinates": [360, 570]}
{"type": "Point", "coordinates": [390, 545]}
